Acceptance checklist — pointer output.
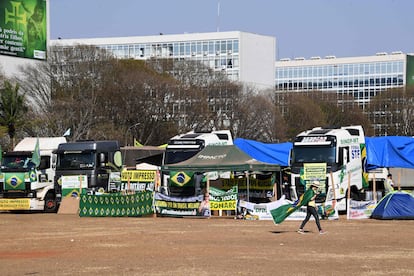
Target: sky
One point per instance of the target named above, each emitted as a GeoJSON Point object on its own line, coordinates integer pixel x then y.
{"type": "Point", "coordinates": [302, 28]}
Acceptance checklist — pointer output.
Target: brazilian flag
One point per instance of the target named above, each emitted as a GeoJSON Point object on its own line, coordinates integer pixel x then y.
{"type": "Point", "coordinates": [181, 178]}
{"type": "Point", "coordinates": [281, 213]}
{"type": "Point", "coordinates": [14, 181]}
{"type": "Point", "coordinates": [365, 182]}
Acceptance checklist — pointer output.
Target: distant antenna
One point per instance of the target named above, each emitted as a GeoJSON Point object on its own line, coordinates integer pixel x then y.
{"type": "Point", "coordinates": [218, 16]}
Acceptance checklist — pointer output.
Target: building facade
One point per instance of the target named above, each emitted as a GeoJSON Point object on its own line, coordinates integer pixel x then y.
{"type": "Point", "coordinates": [359, 77]}
{"type": "Point", "coordinates": [251, 60]}
{"type": "Point", "coordinates": [244, 57]}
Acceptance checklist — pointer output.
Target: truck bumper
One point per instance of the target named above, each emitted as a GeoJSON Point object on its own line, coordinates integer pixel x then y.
{"type": "Point", "coordinates": [21, 204]}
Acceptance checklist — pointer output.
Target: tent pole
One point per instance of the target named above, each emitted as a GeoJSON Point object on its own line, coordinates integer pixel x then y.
{"type": "Point", "coordinates": [348, 197]}
{"type": "Point", "coordinates": [374, 189]}
{"type": "Point", "coordinates": [399, 180]}
{"type": "Point", "coordinates": [333, 187]}
{"type": "Point", "coordinates": [276, 187]}
{"type": "Point", "coordinates": [248, 184]}
{"type": "Point", "coordinates": [333, 192]}
{"type": "Point", "coordinates": [279, 186]}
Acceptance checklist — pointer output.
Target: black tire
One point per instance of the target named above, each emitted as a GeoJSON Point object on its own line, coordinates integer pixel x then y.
{"type": "Point", "coordinates": [50, 203]}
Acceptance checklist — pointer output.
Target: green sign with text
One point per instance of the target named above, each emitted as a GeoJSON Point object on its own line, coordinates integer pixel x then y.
{"type": "Point", "coordinates": [23, 28]}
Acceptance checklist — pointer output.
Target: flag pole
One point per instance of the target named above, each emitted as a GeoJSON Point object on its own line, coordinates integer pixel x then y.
{"type": "Point", "coordinates": [80, 185]}
{"type": "Point", "coordinates": [333, 187]}
{"type": "Point", "coordinates": [399, 180]}
{"type": "Point", "coordinates": [248, 184]}
{"type": "Point", "coordinates": [348, 197]}
{"type": "Point", "coordinates": [333, 192]}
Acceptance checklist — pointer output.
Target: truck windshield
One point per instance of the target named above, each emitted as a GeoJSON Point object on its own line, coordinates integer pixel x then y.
{"type": "Point", "coordinates": [76, 161]}
{"type": "Point", "coordinates": [16, 162]}
{"type": "Point", "coordinates": [320, 154]}
{"type": "Point", "coordinates": [175, 156]}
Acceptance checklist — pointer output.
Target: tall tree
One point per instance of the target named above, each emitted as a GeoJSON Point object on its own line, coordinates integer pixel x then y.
{"type": "Point", "coordinates": [348, 112]}
{"type": "Point", "coordinates": [301, 113]}
{"type": "Point", "coordinates": [258, 118]}
{"type": "Point", "coordinates": [12, 109]}
{"type": "Point", "coordinates": [64, 91]}
{"type": "Point", "coordinates": [392, 112]}
{"type": "Point", "coordinates": [306, 110]}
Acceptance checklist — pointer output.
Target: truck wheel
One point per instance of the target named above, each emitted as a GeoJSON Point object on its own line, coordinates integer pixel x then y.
{"type": "Point", "coordinates": [50, 203]}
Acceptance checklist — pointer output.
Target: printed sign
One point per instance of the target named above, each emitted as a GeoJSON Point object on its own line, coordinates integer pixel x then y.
{"type": "Point", "coordinates": [15, 204]}
{"type": "Point", "coordinates": [72, 185]}
{"type": "Point", "coordinates": [23, 28]}
{"type": "Point", "coordinates": [314, 171]}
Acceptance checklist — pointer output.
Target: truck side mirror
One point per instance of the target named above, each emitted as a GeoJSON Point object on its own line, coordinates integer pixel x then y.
{"type": "Point", "coordinates": [345, 156]}
{"type": "Point", "coordinates": [53, 166]}
{"type": "Point", "coordinates": [118, 158]}
{"type": "Point", "coordinates": [102, 158]}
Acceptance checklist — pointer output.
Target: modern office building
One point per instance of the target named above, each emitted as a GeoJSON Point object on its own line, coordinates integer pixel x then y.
{"type": "Point", "coordinates": [244, 57]}
{"type": "Point", "coordinates": [356, 78]}
{"type": "Point", "coordinates": [250, 59]}
{"type": "Point", "coordinates": [359, 77]}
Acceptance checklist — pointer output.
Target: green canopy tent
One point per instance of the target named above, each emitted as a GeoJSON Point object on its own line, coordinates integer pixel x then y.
{"type": "Point", "coordinates": [222, 158]}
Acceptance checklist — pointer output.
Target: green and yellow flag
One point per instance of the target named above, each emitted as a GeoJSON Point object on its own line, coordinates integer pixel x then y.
{"type": "Point", "coordinates": [281, 213]}
{"type": "Point", "coordinates": [181, 178]}
{"type": "Point", "coordinates": [36, 154]}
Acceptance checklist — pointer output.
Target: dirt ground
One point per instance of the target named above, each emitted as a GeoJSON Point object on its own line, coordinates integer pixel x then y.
{"type": "Point", "coordinates": [56, 244]}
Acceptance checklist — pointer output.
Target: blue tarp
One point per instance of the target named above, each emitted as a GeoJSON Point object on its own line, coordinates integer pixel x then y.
{"type": "Point", "coordinates": [264, 152]}
{"type": "Point", "coordinates": [396, 205]}
{"type": "Point", "coordinates": [390, 152]}
{"type": "Point", "coordinates": [382, 152]}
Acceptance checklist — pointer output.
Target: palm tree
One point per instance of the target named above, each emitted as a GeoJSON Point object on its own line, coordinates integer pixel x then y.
{"type": "Point", "coordinates": [12, 109]}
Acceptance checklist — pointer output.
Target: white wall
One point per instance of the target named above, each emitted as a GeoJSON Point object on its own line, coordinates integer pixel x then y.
{"type": "Point", "coordinates": [10, 66]}
{"type": "Point", "coordinates": [257, 64]}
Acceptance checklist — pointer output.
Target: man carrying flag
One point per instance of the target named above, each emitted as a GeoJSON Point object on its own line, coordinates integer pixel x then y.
{"type": "Point", "coordinates": [281, 213]}
{"type": "Point", "coordinates": [311, 210]}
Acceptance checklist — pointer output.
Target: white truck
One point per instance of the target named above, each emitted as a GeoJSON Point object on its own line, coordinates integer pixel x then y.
{"type": "Point", "coordinates": [25, 186]}
{"type": "Point", "coordinates": [185, 146]}
{"type": "Point", "coordinates": [342, 150]}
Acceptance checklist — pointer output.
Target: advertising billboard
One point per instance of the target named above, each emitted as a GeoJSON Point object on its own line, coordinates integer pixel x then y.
{"type": "Point", "coordinates": [23, 28]}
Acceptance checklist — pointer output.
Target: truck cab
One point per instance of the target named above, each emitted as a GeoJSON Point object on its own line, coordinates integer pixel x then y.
{"type": "Point", "coordinates": [93, 165]}
{"type": "Point", "coordinates": [24, 185]}
{"type": "Point", "coordinates": [340, 152]}
{"type": "Point", "coordinates": [183, 147]}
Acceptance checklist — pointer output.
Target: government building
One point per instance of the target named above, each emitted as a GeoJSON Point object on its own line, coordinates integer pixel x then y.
{"type": "Point", "coordinates": [359, 77]}
{"type": "Point", "coordinates": [251, 60]}
{"type": "Point", "coordinates": [244, 57]}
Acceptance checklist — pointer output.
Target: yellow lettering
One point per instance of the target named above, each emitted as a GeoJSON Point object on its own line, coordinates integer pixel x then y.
{"type": "Point", "coordinates": [15, 204]}
{"type": "Point", "coordinates": [136, 176]}
{"type": "Point", "coordinates": [223, 205]}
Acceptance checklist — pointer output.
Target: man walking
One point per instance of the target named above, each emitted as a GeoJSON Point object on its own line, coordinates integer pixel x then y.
{"type": "Point", "coordinates": [311, 210]}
